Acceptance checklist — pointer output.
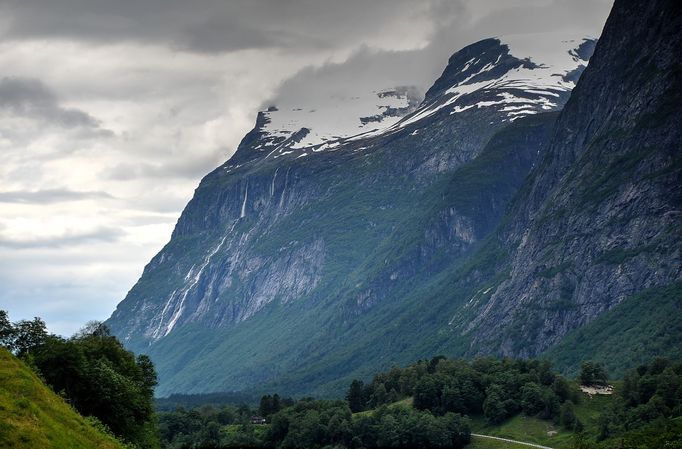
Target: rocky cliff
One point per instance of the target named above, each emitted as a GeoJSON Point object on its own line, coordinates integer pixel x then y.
{"type": "Point", "coordinates": [469, 223]}
{"type": "Point", "coordinates": [599, 221]}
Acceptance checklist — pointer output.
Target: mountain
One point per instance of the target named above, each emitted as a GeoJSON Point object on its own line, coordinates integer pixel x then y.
{"type": "Point", "coordinates": [480, 221]}
{"type": "Point", "coordinates": [33, 416]}
{"type": "Point", "coordinates": [598, 224]}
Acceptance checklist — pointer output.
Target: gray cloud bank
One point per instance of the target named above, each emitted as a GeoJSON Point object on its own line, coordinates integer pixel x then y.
{"type": "Point", "coordinates": [50, 196]}
{"type": "Point", "coordinates": [204, 25]}
{"type": "Point", "coordinates": [31, 98]}
{"type": "Point", "coordinates": [103, 234]}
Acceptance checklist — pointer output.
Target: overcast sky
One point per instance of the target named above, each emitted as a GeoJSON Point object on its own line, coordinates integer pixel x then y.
{"type": "Point", "coordinates": [112, 111]}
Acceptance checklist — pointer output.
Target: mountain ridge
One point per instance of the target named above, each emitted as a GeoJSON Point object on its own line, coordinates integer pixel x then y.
{"type": "Point", "coordinates": [298, 273]}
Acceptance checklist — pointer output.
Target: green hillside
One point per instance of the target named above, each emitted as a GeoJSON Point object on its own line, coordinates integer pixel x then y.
{"type": "Point", "coordinates": [646, 325]}
{"type": "Point", "coordinates": [32, 416]}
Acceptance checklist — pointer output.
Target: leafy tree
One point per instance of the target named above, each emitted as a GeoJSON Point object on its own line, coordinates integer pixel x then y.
{"type": "Point", "coordinates": [6, 330]}
{"type": "Point", "coordinates": [276, 403]}
{"type": "Point", "coordinates": [28, 335]}
{"type": "Point", "coordinates": [427, 393]}
{"type": "Point", "coordinates": [562, 389]}
{"type": "Point", "coordinates": [531, 399]}
{"type": "Point", "coordinates": [210, 434]}
{"type": "Point", "coordinates": [592, 373]}
{"type": "Point", "coordinates": [355, 396]}
{"type": "Point", "coordinates": [388, 432]}
{"type": "Point", "coordinates": [379, 396]}
{"type": "Point", "coordinates": [494, 408]}
{"type": "Point", "coordinates": [265, 409]}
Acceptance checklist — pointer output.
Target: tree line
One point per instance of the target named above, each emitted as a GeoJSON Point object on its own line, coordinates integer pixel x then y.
{"type": "Point", "coordinates": [93, 372]}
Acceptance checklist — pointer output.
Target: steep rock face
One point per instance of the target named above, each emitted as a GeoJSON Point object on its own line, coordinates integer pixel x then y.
{"type": "Point", "coordinates": [299, 258]}
{"type": "Point", "coordinates": [599, 221]}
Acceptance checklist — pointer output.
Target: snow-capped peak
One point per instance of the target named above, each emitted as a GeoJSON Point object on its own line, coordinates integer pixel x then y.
{"type": "Point", "coordinates": [333, 117]}
{"type": "Point", "coordinates": [506, 77]}
{"type": "Point", "coordinates": [518, 75]}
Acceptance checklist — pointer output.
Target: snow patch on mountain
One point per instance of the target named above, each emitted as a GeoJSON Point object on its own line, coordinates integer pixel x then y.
{"type": "Point", "coordinates": [513, 76]}
{"type": "Point", "coordinates": [333, 117]}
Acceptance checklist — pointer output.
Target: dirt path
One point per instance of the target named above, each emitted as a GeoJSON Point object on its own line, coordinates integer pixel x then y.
{"type": "Point", "coordinates": [510, 441]}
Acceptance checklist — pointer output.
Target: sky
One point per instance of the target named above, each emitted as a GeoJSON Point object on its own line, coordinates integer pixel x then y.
{"type": "Point", "coordinates": [111, 112]}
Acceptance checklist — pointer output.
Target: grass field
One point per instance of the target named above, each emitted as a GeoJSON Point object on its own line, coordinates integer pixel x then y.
{"type": "Point", "coordinates": [32, 416]}
{"type": "Point", "coordinates": [485, 443]}
{"type": "Point", "coordinates": [538, 431]}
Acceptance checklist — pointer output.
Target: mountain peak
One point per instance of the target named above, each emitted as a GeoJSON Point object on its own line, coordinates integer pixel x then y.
{"type": "Point", "coordinates": [511, 76]}
{"type": "Point", "coordinates": [519, 75]}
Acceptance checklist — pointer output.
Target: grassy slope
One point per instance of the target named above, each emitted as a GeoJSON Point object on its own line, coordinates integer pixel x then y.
{"type": "Point", "coordinates": [527, 429]}
{"type": "Point", "coordinates": [484, 443]}
{"type": "Point", "coordinates": [534, 430]}
{"type": "Point", "coordinates": [32, 416]}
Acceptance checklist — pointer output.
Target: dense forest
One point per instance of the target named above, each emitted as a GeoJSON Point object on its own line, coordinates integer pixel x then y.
{"type": "Point", "coordinates": [437, 403]}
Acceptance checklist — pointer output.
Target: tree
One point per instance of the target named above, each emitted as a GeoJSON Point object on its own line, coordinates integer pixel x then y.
{"type": "Point", "coordinates": [210, 434]}
{"type": "Point", "coordinates": [379, 396]}
{"type": "Point", "coordinates": [561, 388]}
{"type": "Point", "coordinates": [493, 408]}
{"type": "Point", "coordinates": [592, 373]}
{"type": "Point", "coordinates": [28, 335]}
{"type": "Point", "coordinates": [6, 330]}
{"type": "Point", "coordinates": [427, 394]}
{"type": "Point", "coordinates": [276, 403]}
{"type": "Point", "coordinates": [551, 406]}
{"type": "Point", "coordinates": [355, 395]}
{"type": "Point", "coordinates": [265, 408]}
{"type": "Point", "coordinates": [388, 432]}
{"type": "Point", "coordinates": [101, 379]}
{"type": "Point", "coordinates": [567, 416]}
{"type": "Point", "coordinates": [531, 399]}
{"type": "Point", "coordinates": [458, 429]}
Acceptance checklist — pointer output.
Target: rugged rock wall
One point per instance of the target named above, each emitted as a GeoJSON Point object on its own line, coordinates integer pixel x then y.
{"type": "Point", "coordinates": [600, 219]}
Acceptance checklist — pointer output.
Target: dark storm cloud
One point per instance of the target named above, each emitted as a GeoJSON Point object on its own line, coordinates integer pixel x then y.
{"type": "Point", "coordinates": [103, 234]}
{"type": "Point", "coordinates": [27, 97]}
{"type": "Point", "coordinates": [456, 25]}
{"type": "Point", "coordinates": [203, 26]}
{"type": "Point", "coordinates": [50, 196]}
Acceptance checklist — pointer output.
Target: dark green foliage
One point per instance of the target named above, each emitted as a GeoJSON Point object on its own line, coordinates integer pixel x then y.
{"type": "Point", "coordinates": [496, 389]}
{"type": "Point", "coordinates": [175, 401]}
{"type": "Point", "coordinates": [6, 329]}
{"type": "Point", "coordinates": [320, 423]}
{"type": "Point", "coordinates": [531, 399]}
{"type": "Point", "coordinates": [269, 405]}
{"type": "Point", "coordinates": [355, 396]}
{"type": "Point", "coordinates": [649, 399]}
{"type": "Point", "coordinates": [494, 408]}
{"type": "Point", "coordinates": [22, 336]}
{"type": "Point", "coordinates": [104, 380]}
{"type": "Point", "coordinates": [202, 427]}
{"type": "Point", "coordinates": [568, 418]}
{"type": "Point", "coordinates": [592, 373]}
{"type": "Point", "coordinates": [628, 335]}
